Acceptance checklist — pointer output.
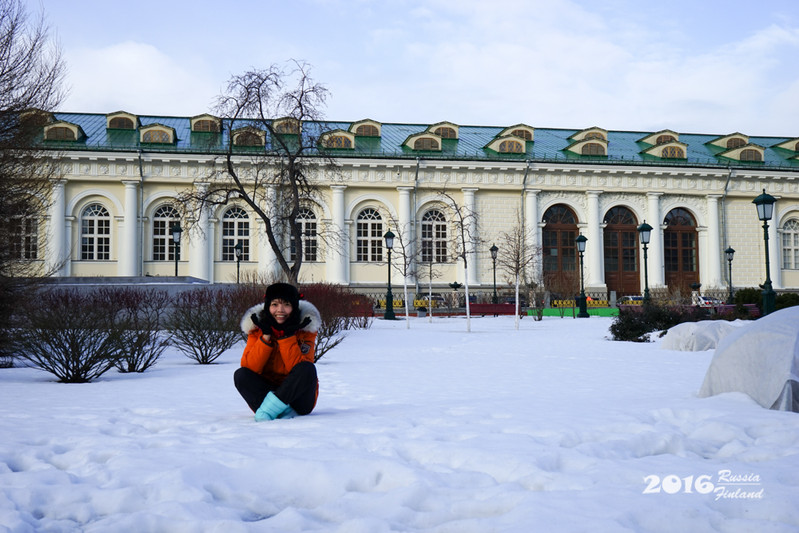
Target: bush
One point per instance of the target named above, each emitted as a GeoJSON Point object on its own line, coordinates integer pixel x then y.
{"type": "Point", "coordinates": [204, 323]}
{"type": "Point", "coordinates": [138, 319]}
{"type": "Point", "coordinates": [636, 325]}
{"type": "Point", "coordinates": [341, 310]}
{"type": "Point", "coordinates": [788, 299]}
{"type": "Point", "coordinates": [70, 334]}
{"type": "Point", "coordinates": [749, 295]}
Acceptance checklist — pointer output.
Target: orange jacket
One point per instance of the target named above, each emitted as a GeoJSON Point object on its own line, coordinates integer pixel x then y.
{"type": "Point", "coordinates": [275, 360]}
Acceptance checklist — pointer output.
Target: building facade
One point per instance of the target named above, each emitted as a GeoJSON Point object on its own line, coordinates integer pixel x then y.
{"type": "Point", "coordinates": [113, 207]}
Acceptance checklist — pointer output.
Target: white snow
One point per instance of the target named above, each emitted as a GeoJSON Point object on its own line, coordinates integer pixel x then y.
{"type": "Point", "coordinates": [553, 428]}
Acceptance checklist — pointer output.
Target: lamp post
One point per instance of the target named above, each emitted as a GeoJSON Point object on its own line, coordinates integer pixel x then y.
{"type": "Point", "coordinates": [645, 232]}
{"type": "Point", "coordinates": [494, 251]}
{"type": "Point", "coordinates": [455, 286]}
{"type": "Point", "coordinates": [239, 251]}
{"type": "Point", "coordinates": [581, 240]}
{"type": "Point", "coordinates": [728, 253]}
{"type": "Point", "coordinates": [389, 314]}
{"type": "Point", "coordinates": [176, 231]}
{"type": "Point", "coordinates": [765, 209]}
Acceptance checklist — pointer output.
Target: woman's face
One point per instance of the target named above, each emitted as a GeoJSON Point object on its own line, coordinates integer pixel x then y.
{"type": "Point", "coordinates": [280, 310]}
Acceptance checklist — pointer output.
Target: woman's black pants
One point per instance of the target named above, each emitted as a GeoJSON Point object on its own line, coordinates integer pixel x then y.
{"type": "Point", "coordinates": [298, 389]}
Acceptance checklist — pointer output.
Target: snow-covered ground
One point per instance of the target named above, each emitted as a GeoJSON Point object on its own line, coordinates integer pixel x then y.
{"type": "Point", "coordinates": [553, 428]}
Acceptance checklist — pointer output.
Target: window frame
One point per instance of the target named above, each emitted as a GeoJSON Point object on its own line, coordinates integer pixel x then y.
{"type": "Point", "coordinates": [369, 236]}
{"type": "Point", "coordinates": [95, 233]}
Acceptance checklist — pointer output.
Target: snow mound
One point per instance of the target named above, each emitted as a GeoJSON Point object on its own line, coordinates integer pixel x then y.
{"type": "Point", "coordinates": [761, 360]}
{"type": "Point", "coordinates": [698, 336]}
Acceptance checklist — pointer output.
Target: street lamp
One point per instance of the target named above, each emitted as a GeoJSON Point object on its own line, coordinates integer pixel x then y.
{"type": "Point", "coordinates": [455, 286]}
{"type": "Point", "coordinates": [494, 251]}
{"type": "Point", "coordinates": [239, 251]}
{"type": "Point", "coordinates": [728, 253]}
{"type": "Point", "coordinates": [176, 231]}
{"type": "Point", "coordinates": [389, 314]}
{"type": "Point", "coordinates": [645, 231]}
{"type": "Point", "coordinates": [581, 240]}
{"type": "Point", "coordinates": [765, 209]}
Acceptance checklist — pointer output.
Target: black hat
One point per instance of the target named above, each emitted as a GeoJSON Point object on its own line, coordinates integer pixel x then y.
{"type": "Point", "coordinates": [283, 291]}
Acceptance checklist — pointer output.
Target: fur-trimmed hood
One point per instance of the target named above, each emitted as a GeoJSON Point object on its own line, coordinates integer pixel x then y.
{"type": "Point", "coordinates": [307, 309]}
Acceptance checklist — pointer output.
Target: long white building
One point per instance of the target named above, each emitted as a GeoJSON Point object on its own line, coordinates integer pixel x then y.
{"type": "Point", "coordinates": [115, 202]}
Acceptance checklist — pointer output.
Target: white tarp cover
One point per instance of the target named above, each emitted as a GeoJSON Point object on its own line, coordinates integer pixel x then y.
{"type": "Point", "coordinates": [698, 336]}
{"type": "Point", "coordinates": [761, 360]}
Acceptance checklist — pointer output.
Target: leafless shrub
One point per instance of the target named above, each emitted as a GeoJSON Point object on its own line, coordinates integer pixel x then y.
{"type": "Point", "coordinates": [341, 310]}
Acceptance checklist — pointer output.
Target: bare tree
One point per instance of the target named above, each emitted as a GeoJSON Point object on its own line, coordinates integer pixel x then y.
{"type": "Point", "coordinates": [466, 223]}
{"type": "Point", "coordinates": [275, 146]}
{"type": "Point", "coordinates": [516, 257]}
{"type": "Point", "coordinates": [31, 74]}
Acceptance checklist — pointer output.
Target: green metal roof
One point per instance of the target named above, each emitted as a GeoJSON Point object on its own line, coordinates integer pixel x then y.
{"type": "Point", "coordinates": [548, 146]}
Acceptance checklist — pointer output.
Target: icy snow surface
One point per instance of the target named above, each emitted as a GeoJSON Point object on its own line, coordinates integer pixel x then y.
{"type": "Point", "coordinates": [553, 428]}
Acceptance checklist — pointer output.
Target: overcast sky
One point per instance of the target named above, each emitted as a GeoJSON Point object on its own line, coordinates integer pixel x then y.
{"type": "Point", "coordinates": [693, 66]}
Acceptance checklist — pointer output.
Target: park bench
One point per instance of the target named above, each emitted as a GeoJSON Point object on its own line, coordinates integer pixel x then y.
{"type": "Point", "coordinates": [494, 309]}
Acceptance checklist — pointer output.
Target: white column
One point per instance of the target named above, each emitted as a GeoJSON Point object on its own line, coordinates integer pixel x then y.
{"type": "Point", "coordinates": [338, 244]}
{"type": "Point", "coordinates": [593, 275]}
{"type": "Point", "coordinates": [657, 276]}
{"type": "Point", "coordinates": [470, 212]}
{"type": "Point", "coordinates": [57, 250]}
{"type": "Point", "coordinates": [711, 276]}
{"type": "Point", "coordinates": [267, 260]}
{"type": "Point", "coordinates": [405, 221]}
{"type": "Point", "coordinates": [531, 229]}
{"type": "Point", "coordinates": [129, 247]}
{"type": "Point", "coordinates": [774, 253]}
{"type": "Point", "coordinates": [200, 259]}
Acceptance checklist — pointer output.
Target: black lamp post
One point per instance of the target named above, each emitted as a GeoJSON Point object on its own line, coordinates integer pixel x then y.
{"type": "Point", "coordinates": [176, 231]}
{"type": "Point", "coordinates": [728, 253]}
{"type": "Point", "coordinates": [455, 286]}
{"type": "Point", "coordinates": [645, 232]}
{"type": "Point", "coordinates": [581, 240]}
{"type": "Point", "coordinates": [494, 251]}
{"type": "Point", "coordinates": [765, 209]}
{"type": "Point", "coordinates": [239, 251]}
{"type": "Point", "coordinates": [389, 314]}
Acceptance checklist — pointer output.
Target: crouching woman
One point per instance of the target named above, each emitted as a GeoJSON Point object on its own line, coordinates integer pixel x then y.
{"type": "Point", "coordinates": [277, 377]}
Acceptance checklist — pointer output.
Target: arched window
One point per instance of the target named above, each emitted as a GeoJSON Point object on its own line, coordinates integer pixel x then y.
{"type": "Point", "coordinates": [593, 149]}
{"type": "Point", "coordinates": [156, 136]}
{"type": "Point", "coordinates": [446, 133]}
{"type": "Point", "coordinates": [235, 229]}
{"type": "Point", "coordinates": [121, 123]}
{"type": "Point", "coordinates": [673, 152]}
{"type": "Point", "coordinates": [164, 218]}
{"type": "Point", "coordinates": [206, 125]}
{"type": "Point", "coordinates": [751, 155]}
{"type": "Point", "coordinates": [514, 147]}
{"type": "Point", "coordinates": [60, 133]}
{"type": "Point", "coordinates": [367, 130]}
{"type": "Point", "coordinates": [620, 239]}
{"type": "Point", "coordinates": [594, 135]}
{"type": "Point", "coordinates": [434, 237]}
{"type": "Point", "coordinates": [524, 134]}
{"type": "Point", "coordinates": [287, 127]}
{"type": "Point", "coordinates": [306, 220]}
{"type": "Point", "coordinates": [425, 143]}
{"type": "Point", "coordinates": [681, 250]}
{"type": "Point", "coordinates": [665, 139]}
{"type": "Point", "coordinates": [24, 238]}
{"type": "Point", "coordinates": [369, 236]}
{"type": "Point", "coordinates": [796, 148]}
{"type": "Point", "coordinates": [248, 138]}
{"type": "Point", "coordinates": [559, 249]}
{"type": "Point", "coordinates": [95, 234]}
{"type": "Point", "coordinates": [735, 142]}
{"type": "Point", "coordinates": [338, 141]}
{"type": "Point", "coordinates": [790, 244]}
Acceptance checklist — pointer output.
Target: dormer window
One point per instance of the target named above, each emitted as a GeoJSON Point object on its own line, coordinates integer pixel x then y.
{"type": "Point", "coordinates": [249, 137]}
{"type": "Point", "coordinates": [508, 145]}
{"type": "Point", "coordinates": [751, 155]}
{"type": "Point", "coordinates": [514, 147]}
{"type": "Point", "coordinates": [672, 152]}
{"type": "Point", "coordinates": [730, 142]}
{"type": "Point", "coordinates": [366, 128]}
{"type": "Point", "coordinates": [121, 121]}
{"type": "Point", "coordinates": [444, 130]}
{"type": "Point", "coordinates": [338, 140]}
{"type": "Point", "coordinates": [426, 143]}
{"type": "Point", "coordinates": [663, 139]}
{"type": "Point", "coordinates": [157, 134]}
{"type": "Point", "coordinates": [522, 131]}
{"type": "Point", "coordinates": [735, 142]}
{"type": "Point", "coordinates": [524, 134]}
{"type": "Point", "coordinates": [672, 149]}
{"type": "Point", "coordinates": [35, 118]}
{"type": "Point", "coordinates": [593, 148]}
{"type": "Point", "coordinates": [791, 145]}
{"type": "Point", "coordinates": [63, 131]}
{"type": "Point", "coordinates": [660, 137]}
{"type": "Point", "coordinates": [446, 133]}
{"type": "Point", "coordinates": [206, 124]}
{"type": "Point", "coordinates": [590, 134]}
{"type": "Point", "coordinates": [286, 126]}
